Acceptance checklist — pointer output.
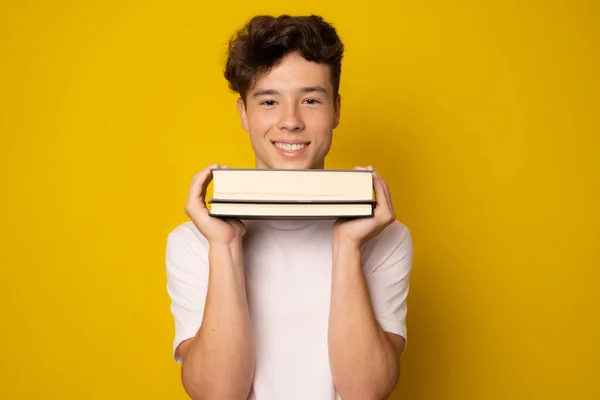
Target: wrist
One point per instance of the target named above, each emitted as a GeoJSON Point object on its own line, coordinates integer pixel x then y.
{"type": "Point", "coordinates": [346, 245]}
{"type": "Point", "coordinates": [233, 244]}
{"type": "Point", "coordinates": [346, 252]}
{"type": "Point", "coordinates": [226, 251]}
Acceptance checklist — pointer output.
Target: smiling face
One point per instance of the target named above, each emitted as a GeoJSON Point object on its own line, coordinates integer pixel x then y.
{"type": "Point", "coordinates": [290, 114]}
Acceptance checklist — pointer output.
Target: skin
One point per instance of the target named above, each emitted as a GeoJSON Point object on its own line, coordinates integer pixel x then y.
{"type": "Point", "coordinates": [293, 103]}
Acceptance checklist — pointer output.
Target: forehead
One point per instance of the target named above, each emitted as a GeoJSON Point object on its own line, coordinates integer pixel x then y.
{"type": "Point", "coordinates": [295, 72]}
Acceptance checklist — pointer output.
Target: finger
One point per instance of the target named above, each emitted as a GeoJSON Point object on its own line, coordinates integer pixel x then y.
{"type": "Point", "coordinates": [387, 191]}
{"type": "Point", "coordinates": [382, 204]}
{"type": "Point", "coordinates": [200, 183]}
{"type": "Point", "coordinates": [389, 205]}
{"type": "Point", "coordinates": [358, 168]}
{"type": "Point", "coordinates": [378, 187]}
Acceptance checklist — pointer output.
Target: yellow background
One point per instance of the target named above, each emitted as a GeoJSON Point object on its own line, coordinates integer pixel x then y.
{"type": "Point", "coordinates": [483, 117]}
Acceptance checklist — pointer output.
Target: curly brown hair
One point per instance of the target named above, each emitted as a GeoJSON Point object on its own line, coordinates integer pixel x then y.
{"type": "Point", "coordinates": [265, 40]}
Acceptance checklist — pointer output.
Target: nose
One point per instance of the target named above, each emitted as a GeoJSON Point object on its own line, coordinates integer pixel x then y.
{"type": "Point", "coordinates": [291, 119]}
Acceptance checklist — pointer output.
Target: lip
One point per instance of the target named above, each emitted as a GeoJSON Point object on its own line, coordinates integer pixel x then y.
{"type": "Point", "coordinates": [291, 154]}
{"type": "Point", "coordinates": [291, 141]}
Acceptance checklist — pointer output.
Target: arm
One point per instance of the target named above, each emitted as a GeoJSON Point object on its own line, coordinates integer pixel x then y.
{"type": "Point", "coordinates": [206, 283]}
{"type": "Point", "coordinates": [364, 358]}
{"type": "Point", "coordinates": [368, 306]}
{"type": "Point", "coordinates": [219, 361]}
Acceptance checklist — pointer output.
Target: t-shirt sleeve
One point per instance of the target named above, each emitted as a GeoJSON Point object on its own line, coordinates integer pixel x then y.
{"type": "Point", "coordinates": [388, 263]}
{"type": "Point", "coordinates": [187, 282]}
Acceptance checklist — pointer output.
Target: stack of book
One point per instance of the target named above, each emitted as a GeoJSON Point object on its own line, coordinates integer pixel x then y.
{"type": "Point", "coordinates": [291, 193]}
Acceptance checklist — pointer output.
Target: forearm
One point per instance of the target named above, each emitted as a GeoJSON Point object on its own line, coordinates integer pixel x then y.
{"type": "Point", "coordinates": [220, 360]}
{"type": "Point", "coordinates": [363, 363]}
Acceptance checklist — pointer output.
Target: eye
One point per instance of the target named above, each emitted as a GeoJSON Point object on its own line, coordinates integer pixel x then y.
{"type": "Point", "coordinates": [268, 103]}
{"type": "Point", "coordinates": [312, 101]}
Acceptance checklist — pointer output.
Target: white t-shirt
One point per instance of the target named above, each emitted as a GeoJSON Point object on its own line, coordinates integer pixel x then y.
{"type": "Point", "coordinates": [288, 280]}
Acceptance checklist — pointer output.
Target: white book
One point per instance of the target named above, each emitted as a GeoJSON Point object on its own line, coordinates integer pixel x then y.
{"type": "Point", "coordinates": [292, 185]}
{"type": "Point", "coordinates": [291, 193]}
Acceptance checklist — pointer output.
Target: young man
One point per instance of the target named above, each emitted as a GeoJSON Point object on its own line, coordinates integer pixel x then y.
{"type": "Point", "coordinates": [288, 309]}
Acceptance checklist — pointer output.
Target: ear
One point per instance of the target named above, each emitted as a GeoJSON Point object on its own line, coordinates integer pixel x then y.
{"type": "Point", "coordinates": [337, 110]}
{"type": "Point", "coordinates": [241, 107]}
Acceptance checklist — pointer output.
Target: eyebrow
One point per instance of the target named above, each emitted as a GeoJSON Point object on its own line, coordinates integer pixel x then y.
{"type": "Point", "coordinates": [271, 92]}
{"type": "Point", "coordinates": [311, 89]}
{"type": "Point", "coordinates": [265, 92]}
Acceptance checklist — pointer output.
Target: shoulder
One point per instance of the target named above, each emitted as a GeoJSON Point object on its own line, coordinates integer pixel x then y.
{"type": "Point", "coordinates": [395, 235]}
{"type": "Point", "coordinates": [186, 231]}
{"type": "Point", "coordinates": [185, 240]}
{"type": "Point", "coordinates": [392, 245]}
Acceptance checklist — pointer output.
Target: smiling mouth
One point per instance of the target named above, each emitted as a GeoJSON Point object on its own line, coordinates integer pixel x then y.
{"type": "Point", "coordinates": [290, 147]}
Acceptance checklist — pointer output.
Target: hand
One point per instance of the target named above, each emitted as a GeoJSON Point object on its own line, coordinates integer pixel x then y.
{"type": "Point", "coordinates": [215, 230]}
{"type": "Point", "coordinates": [357, 231]}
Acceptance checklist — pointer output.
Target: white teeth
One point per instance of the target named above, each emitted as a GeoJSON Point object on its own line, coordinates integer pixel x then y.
{"type": "Point", "coordinates": [290, 147]}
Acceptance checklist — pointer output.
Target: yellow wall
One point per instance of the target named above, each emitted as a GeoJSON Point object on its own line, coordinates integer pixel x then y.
{"type": "Point", "coordinates": [483, 116]}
